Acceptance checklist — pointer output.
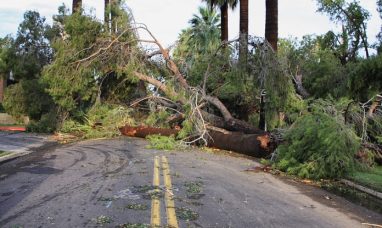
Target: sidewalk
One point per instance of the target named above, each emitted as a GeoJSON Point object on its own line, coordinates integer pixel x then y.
{"type": "Point", "coordinates": [20, 143]}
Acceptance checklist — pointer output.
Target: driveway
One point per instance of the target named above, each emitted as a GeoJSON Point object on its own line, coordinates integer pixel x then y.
{"type": "Point", "coordinates": [20, 143]}
{"type": "Point", "coordinates": [121, 183]}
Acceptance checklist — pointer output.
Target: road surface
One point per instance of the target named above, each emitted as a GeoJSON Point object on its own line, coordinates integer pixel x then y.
{"type": "Point", "coordinates": [121, 183]}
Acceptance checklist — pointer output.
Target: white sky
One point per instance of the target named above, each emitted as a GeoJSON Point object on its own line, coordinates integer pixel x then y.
{"type": "Point", "coordinates": [166, 18]}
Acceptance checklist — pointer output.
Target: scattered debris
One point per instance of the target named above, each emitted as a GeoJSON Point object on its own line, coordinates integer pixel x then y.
{"type": "Point", "coordinates": [186, 214]}
{"type": "Point", "coordinates": [134, 225]}
{"type": "Point", "coordinates": [256, 169]}
{"type": "Point", "coordinates": [143, 131]}
{"type": "Point", "coordinates": [195, 196]}
{"type": "Point", "coordinates": [105, 198]}
{"type": "Point", "coordinates": [137, 206]}
{"type": "Point", "coordinates": [102, 220]}
{"type": "Point", "coordinates": [143, 188]}
{"type": "Point", "coordinates": [108, 204]}
{"type": "Point", "coordinates": [194, 187]}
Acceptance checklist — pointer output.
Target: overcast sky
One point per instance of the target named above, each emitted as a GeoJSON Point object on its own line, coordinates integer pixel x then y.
{"type": "Point", "coordinates": [166, 18]}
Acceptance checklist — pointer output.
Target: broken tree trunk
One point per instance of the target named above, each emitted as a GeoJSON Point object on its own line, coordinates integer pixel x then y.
{"type": "Point", "coordinates": [143, 131]}
{"type": "Point", "coordinates": [299, 87]}
{"type": "Point", "coordinates": [256, 145]}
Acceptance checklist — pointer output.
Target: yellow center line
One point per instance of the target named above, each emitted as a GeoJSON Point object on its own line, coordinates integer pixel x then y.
{"type": "Point", "coordinates": [169, 196]}
{"type": "Point", "coordinates": [155, 202]}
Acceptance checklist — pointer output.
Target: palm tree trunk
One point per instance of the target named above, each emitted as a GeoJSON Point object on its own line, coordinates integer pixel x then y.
{"type": "Point", "coordinates": [224, 22]}
{"type": "Point", "coordinates": [106, 12]}
{"type": "Point", "coordinates": [271, 23]}
{"type": "Point", "coordinates": [76, 6]}
{"type": "Point", "coordinates": [243, 35]}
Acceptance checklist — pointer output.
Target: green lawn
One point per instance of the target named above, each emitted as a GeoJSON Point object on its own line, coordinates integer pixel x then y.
{"type": "Point", "coordinates": [3, 153]}
{"type": "Point", "coordinates": [371, 178]}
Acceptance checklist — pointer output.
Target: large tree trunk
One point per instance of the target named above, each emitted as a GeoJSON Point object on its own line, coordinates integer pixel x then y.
{"type": "Point", "coordinates": [106, 13]}
{"type": "Point", "coordinates": [76, 6]}
{"type": "Point", "coordinates": [243, 36]}
{"type": "Point", "coordinates": [271, 23]}
{"type": "Point", "coordinates": [224, 22]}
{"type": "Point", "coordinates": [257, 145]}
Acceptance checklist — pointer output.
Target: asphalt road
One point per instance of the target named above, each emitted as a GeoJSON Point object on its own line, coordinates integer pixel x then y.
{"type": "Point", "coordinates": [107, 183]}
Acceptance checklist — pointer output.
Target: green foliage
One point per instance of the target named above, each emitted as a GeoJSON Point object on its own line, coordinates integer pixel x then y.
{"type": "Point", "coordinates": [158, 119]}
{"type": "Point", "coordinates": [353, 19]}
{"type": "Point", "coordinates": [324, 75]}
{"type": "Point", "coordinates": [318, 146]}
{"type": "Point", "coordinates": [187, 129]}
{"type": "Point", "coordinates": [160, 142]}
{"type": "Point", "coordinates": [101, 121]}
{"type": "Point", "coordinates": [366, 78]}
{"type": "Point", "coordinates": [6, 44]}
{"type": "Point", "coordinates": [30, 50]}
{"type": "Point", "coordinates": [371, 178]}
{"type": "Point", "coordinates": [72, 86]}
{"type": "Point", "coordinates": [27, 98]}
{"type": "Point", "coordinates": [46, 124]}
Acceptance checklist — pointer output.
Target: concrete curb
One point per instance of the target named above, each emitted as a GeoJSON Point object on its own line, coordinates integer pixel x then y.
{"type": "Point", "coordinates": [362, 188]}
{"type": "Point", "coordinates": [13, 155]}
{"type": "Point", "coordinates": [23, 152]}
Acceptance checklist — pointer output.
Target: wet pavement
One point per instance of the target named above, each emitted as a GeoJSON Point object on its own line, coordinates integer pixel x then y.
{"type": "Point", "coordinates": [21, 143]}
{"type": "Point", "coordinates": [109, 183]}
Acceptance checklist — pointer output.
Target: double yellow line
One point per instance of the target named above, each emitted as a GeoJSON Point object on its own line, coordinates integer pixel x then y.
{"type": "Point", "coordinates": [169, 196]}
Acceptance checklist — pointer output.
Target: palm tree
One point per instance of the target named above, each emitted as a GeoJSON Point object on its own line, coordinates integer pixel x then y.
{"type": "Point", "coordinates": [77, 5]}
{"type": "Point", "coordinates": [271, 23]}
{"type": "Point", "coordinates": [204, 30]}
{"type": "Point", "coordinates": [243, 35]}
{"type": "Point", "coordinates": [224, 5]}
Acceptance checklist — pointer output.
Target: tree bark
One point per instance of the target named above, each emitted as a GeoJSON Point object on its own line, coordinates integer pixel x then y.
{"type": "Point", "coordinates": [256, 145]}
{"type": "Point", "coordinates": [76, 6]}
{"type": "Point", "coordinates": [262, 123]}
{"type": "Point", "coordinates": [271, 23]}
{"type": "Point", "coordinates": [224, 22]}
{"type": "Point", "coordinates": [299, 87]}
{"type": "Point", "coordinates": [243, 35]}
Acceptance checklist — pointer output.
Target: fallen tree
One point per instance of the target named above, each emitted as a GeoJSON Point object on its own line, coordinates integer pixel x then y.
{"type": "Point", "coordinates": [250, 144]}
{"type": "Point", "coordinates": [180, 92]}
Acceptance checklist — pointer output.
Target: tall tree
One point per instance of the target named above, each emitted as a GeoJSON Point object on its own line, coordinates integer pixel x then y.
{"type": "Point", "coordinates": [76, 6]}
{"type": "Point", "coordinates": [379, 36]}
{"type": "Point", "coordinates": [353, 17]}
{"type": "Point", "coordinates": [271, 23]}
{"type": "Point", "coordinates": [224, 6]}
{"type": "Point", "coordinates": [243, 35]}
{"type": "Point", "coordinates": [31, 49]}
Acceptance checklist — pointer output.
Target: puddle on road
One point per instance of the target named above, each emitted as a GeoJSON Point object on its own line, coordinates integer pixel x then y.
{"type": "Point", "coordinates": [40, 170]}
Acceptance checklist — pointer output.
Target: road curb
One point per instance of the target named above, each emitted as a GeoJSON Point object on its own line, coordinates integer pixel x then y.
{"type": "Point", "coordinates": [13, 155]}
{"type": "Point", "coordinates": [362, 188]}
{"type": "Point", "coordinates": [17, 154]}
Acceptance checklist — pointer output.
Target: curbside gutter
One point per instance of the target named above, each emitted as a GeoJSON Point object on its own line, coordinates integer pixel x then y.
{"type": "Point", "coordinates": [362, 188]}
{"type": "Point", "coordinates": [13, 155]}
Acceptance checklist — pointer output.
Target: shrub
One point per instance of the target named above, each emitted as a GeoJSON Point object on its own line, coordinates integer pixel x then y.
{"type": "Point", "coordinates": [162, 142]}
{"type": "Point", "coordinates": [27, 98]}
{"type": "Point", "coordinates": [47, 123]}
{"type": "Point", "coordinates": [318, 146]}
{"type": "Point", "coordinates": [101, 121]}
